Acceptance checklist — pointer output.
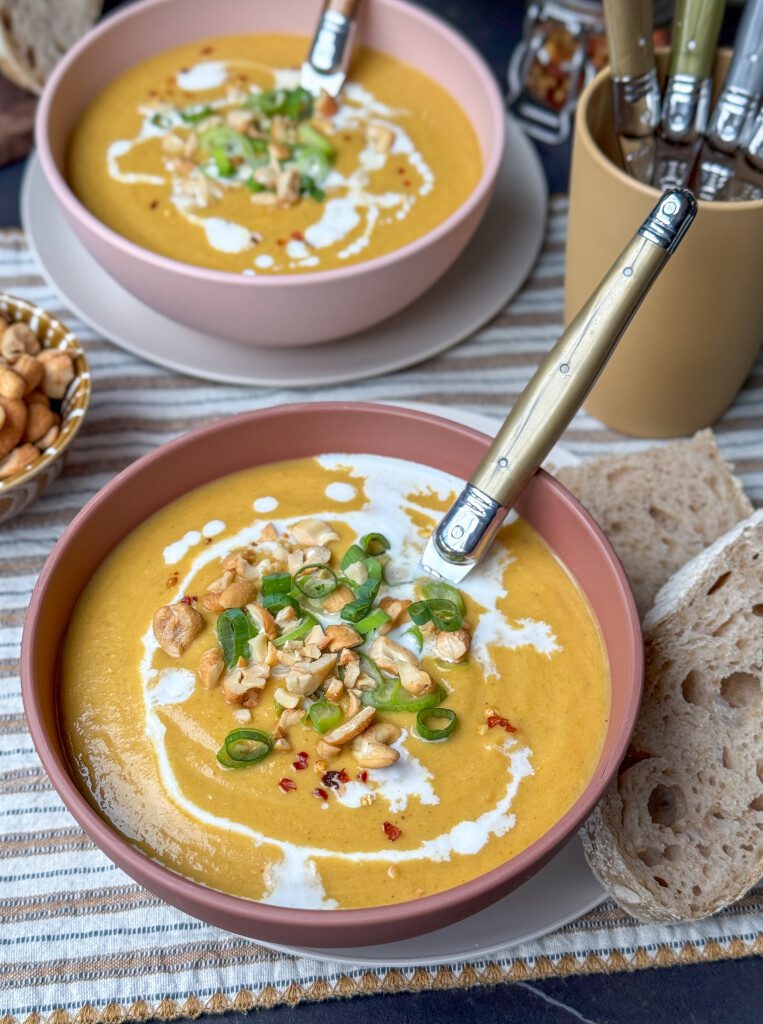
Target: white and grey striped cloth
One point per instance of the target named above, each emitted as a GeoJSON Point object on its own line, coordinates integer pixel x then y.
{"type": "Point", "coordinates": [74, 930]}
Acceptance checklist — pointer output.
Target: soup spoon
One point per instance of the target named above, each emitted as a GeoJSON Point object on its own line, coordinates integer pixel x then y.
{"type": "Point", "coordinates": [326, 66]}
{"type": "Point", "coordinates": [556, 391]}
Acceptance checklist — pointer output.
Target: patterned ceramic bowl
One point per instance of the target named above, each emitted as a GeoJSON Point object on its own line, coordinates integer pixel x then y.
{"type": "Point", "coordinates": [21, 489]}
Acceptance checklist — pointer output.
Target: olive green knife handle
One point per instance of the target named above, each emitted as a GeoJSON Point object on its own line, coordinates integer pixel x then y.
{"type": "Point", "coordinates": [567, 374]}
{"type": "Point", "coordinates": [629, 34]}
{"type": "Point", "coordinates": [696, 26]}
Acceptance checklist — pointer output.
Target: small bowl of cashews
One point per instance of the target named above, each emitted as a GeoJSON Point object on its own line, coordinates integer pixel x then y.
{"type": "Point", "coordinates": [44, 393]}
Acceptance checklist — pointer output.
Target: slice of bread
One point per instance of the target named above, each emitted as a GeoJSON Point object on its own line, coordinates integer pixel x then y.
{"type": "Point", "coordinates": [679, 833]}
{"type": "Point", "coordinates": [659, 507]}
{"type": "Point", "coordinates": [35, 34]}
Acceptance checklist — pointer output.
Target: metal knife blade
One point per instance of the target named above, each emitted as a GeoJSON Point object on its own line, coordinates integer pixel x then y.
{"type": "Point", "coordinates": [686, 102]}
{"type": "Point", "coordinates": [325, 69]}
{"type": "Point", "coordinates": [639, 156]}
{"type": "Point", "coordinates": [747, 184]}
{"type": "Point", "coordinates": [715, 170]}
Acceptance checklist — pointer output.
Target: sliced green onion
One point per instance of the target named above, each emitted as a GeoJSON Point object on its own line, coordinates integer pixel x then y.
{"type": "Point", "coordinates": [161, 121]}
{"type": "Point", "coordinates": [311, 163]}
{"type": "Point", "coordinates": [254, 186]}
{"type": "Point", "coordinates": [271, 102]}
{"type": "Point", "coordinates": [447, 666]}
{"type": "Point", "coordinates": [316, 580]}
{"type": "Point", "coordinates": [234, 631]}
{"type": "Point", "coordinates": [231, 143]}
{"type": "Point", "coordinates": [374, 543]}
{"type": "Point", "coordinates": [324, 715]}
{"type": "Point", "coordinates": [247, 746]}
{"type": "Point", "coordinates": [310, 136]}
{"type": "Point", "coordinates": [222, 162]}
{"type": "Point", "coordinates": [298, 104]}
{"type": "Point", "coordinates": [228, 762]}
{"type": "Point", "coordinates": [441, 612]}
{"type": "Point", "coordinates": [417, 635]}
{"type": "Point", "coordinates": [360, 607]}
{"type": "Point", "coordinates": [391, 695]}
{"type": "Point", "coordinates": [276, 603]}
{"type": "Point", "coordinates": [435, 715]}
{"type": "Point", "coordinates": [377, 618]}
{"type": "Point", "coordinates": [354, 553]}
{"type": "Point", "coordinates": [276, 583]}
{"type": "Point", "coordinates": [194, 116]}
{"type": "Point", "coordinates": [441, 590]}
{"type": "Point", "coordinates": [302, 628]}
{"type": "Point", "coordinates": [308, 187]}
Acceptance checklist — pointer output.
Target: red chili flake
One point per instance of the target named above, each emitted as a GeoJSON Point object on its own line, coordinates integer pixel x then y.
{"type": "Point", "coordinates": [288, 785]}
{"type": "Point", "coordinates": [189, 599]}
{"type": "Point", "coordinates": [320, 793]}
{"type": "Point", "coordinates": [504, 723]}
{"type": "Point", "coordinates": [207, 49]}
{"type": "Point", "coordinates": [298, 236]}
{"type": "Point", "coordinates": [282, 241]}
{"type": "Point", "coordinates": [154, 204]}
{"type": "Point", "coordinates": [407, 183]}
{"type": "Point", "coordinates": [301, 763]}
{"type": "Point", "coordinates": [347, 138]}
{"type": "Point", "coordinates": [392, 832]}
{"type": "Point", "coordinates": [363, 775]}
{"type": "Point", "coordinates": [401, 170]}
{"type": "Point", "coordinates": [334, 779]}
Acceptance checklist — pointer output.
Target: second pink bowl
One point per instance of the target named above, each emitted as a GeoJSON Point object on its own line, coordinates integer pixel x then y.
{"type": "Point", "coordinates": [294, 309]}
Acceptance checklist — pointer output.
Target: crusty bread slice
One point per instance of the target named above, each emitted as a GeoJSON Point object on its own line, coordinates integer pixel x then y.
{"type": "Point", "coordinates": [679, 833]}
{"type": "Point", "coordinates": [659, 507]}
{"type": "Point", "coordinates": [35, 34]}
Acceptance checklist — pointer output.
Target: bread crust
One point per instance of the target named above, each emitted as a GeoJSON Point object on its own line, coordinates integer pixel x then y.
{"type": "Point", "coordinates": [35, 34]}
{"type": "Point", "coordinates": [677, 834]}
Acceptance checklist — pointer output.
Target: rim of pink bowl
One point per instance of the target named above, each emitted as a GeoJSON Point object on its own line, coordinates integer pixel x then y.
{"type": "Point", "coordinates": [79, 211]}
{"type": "Point", "coordinates": [206, 900]}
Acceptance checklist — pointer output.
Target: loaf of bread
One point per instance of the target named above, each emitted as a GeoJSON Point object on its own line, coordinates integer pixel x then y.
{"type": "Point", "coordinates": [659, 507]}
{"type": "Point", "coordinates": [679, 833]}
{"type": "Point", "coordinates": [35, 34]}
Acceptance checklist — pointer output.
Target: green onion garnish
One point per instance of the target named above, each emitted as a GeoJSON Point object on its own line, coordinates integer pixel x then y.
{"type": "Point", "coordinates": [360, 607]}
{"type": "Point", "coordinates": [391, 695]}
{"type": "Point", "coordinates": [310, 136]}
{"type": "Point", "coordinates": [302, 628]}
{"type": "Point", "coordinates": [276, 603]}
{"type": "Point", "coordinates": [298, 104]}
{"type": "Point", "coordinates": [437, 590]}
{"type": "Point", "coordinates": [316, 581]}
{"type": "Point", "coordinates": [370, 668]}
{"type": "Point", "coordinates": [308, 186]}
{"type": "Point", "coordinates": [354, 553]}
{"type": "Point", "coordinates": [377, 618]}
{"type": "Point", "coordinates": [374, 543]}
{"type": "Point", "coordinates": [234, 631]}
{"type": "Point", "coordinates": [222, 162]}
{"type": "Point", "coordinates": [194, 116]}
{"type": "Point", "coordinates": [244, 747]}
{"type": "Point", "coordinates": [435, 715]}
{"type": "Point", "coordinates": [417, 635]}
{"type": "Point", "coordinates": [271, 102]}
{"type": "Point", "coordinates": [324, 715]}
{"type": "Point", "coordinates": [276, 583]}
{"type": "Point", "coordinates": [161, 121]}
{"type": "Point", "coordinates": [253, 185]}
{"type": "Point", "coordinates": [442, 613]}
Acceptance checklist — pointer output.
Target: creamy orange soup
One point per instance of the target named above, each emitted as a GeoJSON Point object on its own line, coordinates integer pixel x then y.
{"type": "Point", "coordinates": [340, 736]}
{"type": "Point", "coordinates": [212, 154]}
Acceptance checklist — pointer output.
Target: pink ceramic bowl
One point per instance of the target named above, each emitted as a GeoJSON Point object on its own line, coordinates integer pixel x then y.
{"type": "Point", "coordinates": [291, 432]}
{"type": "Point", "coordinates": [296, 309]}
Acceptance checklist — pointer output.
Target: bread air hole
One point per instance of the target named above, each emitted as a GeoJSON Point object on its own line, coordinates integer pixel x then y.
{"type": "Point", "coordinates": [666, 805]}
{"type": "Point", "coordinates": [719, 583]}
{"type": "Point", "coordinates": [757, 609]}
{"type": "Point", "coordinates": [660, 516]}
{"type": "Point", "coordinates": [692, 689]}
{"type": "Point", "coordinates": [757, 803]}
{"type": "Point", "coordinates": [740, 689]}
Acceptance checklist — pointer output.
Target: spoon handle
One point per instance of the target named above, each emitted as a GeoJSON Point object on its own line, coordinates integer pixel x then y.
{"type": "Point", "coordinates": [569, 371]}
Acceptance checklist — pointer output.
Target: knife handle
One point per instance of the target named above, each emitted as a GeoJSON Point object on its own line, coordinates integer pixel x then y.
{"type": "Point", "coordinates": [696, 26]}
{"type": "Point", "coordinates": [569, 371]}
{"type": "Point", "coordinates": [746, 70]}
{"type": "Point", "coordinates": [629, 36]}
{"type": "Point", "coordinates": [343, 7]}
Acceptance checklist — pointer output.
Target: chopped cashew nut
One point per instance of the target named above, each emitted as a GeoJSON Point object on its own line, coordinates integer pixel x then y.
{"type": "Point", "coordinates": [58, 372]}
{"type": "Point", "coordinates": [306, 676]}
{"type": "Point", "coordinates": [309, 532]}
{"type": "Point", "coordinates": [356, 572]}
{"type": "Point", "coordinates": [338, 598]}
{"type": "Point", "coordinates": [243, 685]}
{"type": "Point", "coordinates": [210, 668]}
{"type": "Point", "coordinates": [263, 619]}
{"type": "Point", "coordinates": [380, 138]}
{"type": "Point", "coordinates": [385, 732]}
{"type": "Point", "coordinates": [416, 680]}
{"type": "Point", "coordinates": [318, 638]}
{"type": "Point", "coordinates": [388, 655]}
{"type": "Point", "coordinates": [327, 750]}
{"type": "Point", "coordinates": [453, 646]}
{"type": "Point", "coordinates": [176, 626]}
{"type": "Point", "coordinates": [236, 594]}
{"type": "Point", "coordinates": [17, 339]}
{"type": "Point", "coordinates": [342, 636]}
{"type": "Point", "coordinates": [351, 728]}
{"type": "Point", "coordinates": [370, 753]}
{"type": "Point", "coordinates": [335, 689]}
{"type": "Point", "coordinates": [397, 609]}
{"type": "Point", "coordinates": [286, 699]}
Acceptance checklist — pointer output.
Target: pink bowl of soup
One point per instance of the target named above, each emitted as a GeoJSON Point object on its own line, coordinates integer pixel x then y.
{"type": "Point", "coordinates": [246, 694]}
{"type": "Point", "coordinates": [187, 160]}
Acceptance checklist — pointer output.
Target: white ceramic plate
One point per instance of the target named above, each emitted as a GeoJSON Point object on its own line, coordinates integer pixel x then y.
{"type": "Point", "coordinates": [487, 275]}
{"type": "Point", "coordinates": [558, 894]}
